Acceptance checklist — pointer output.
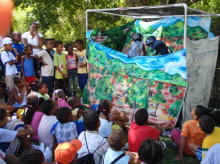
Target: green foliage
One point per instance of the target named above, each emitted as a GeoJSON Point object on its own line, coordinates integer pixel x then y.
{"type": "Point", "coordinates": [159, 98]}
{"type": "Point", "coordinates": [129, 80]}
{"type": "Point", "coordinates": [160, 87]}
{"type": "Point", "coordinates": [179, 41]}
{"type": "Point", "coordinates": [104, 89]}
{"type": "Point", "coordinates": [138, 93]}
{"type": "Point", "coordinates": [97, 70]}
{"type": "Point", "coordinates": [120, 79]}
{"type": "Point", "coordinates": [115, 75]}
{"type": "Point", "coordinates": [175, 108]}
{"type": "Point", "coordinates": [92, 82]}
{"type": "Point", "coordinates": [174, 90]}
{"type": "Point", "coordinates": [86, 96]}
{"type": "Point", "coordinates": [151, 82]}
{"type": "Point", "coordinates": [103, 71]}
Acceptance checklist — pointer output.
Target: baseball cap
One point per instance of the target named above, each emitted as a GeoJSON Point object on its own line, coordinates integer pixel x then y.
{"type": "Point", "coordinates": [7, 40]}
{"type": "Point", "coordinates": [65, 152]}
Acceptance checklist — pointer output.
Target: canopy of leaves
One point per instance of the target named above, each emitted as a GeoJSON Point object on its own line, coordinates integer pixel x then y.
{"type": "Point", "coordinates": [120, 79]}
{"type": "Point", "coordinates": [92, 82]}
{"type": "Point", "coordinates": [86, 96]}
{"type": "Point", "coordinates": [174, 90]}
{"type": "Point", "coordinates": [159, 98]}
{"type": "Point", "coordinates": [151, 82]}
{"type": "Point", "coordinates": [175, 108]}
{"type": "Point", "coordinates": [160, 87]}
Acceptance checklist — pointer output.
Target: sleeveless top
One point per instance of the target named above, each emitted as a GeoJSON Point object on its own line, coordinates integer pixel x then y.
{"type": "Point", "coordinates": [71, 61]}
{"type": "Point", "coordinates": [105, 128]}
{"type": "Point", "coordinates": [28, 67]}
{"type": "Point", "coordinates": [24, 98]}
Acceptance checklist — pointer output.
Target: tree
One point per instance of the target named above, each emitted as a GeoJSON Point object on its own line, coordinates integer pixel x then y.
{"type": "Point", "coordinates": [103, 71]}
{"type": "Point", "coordinates": [174, 90]}
{"type": "Point", "coordinates": [92, 82]}
{"type": "Point", "coordinates": [120, 79]}
{"type": "Point", "coordinates": [175, 108]}
{"type": "Point", "coordinates": [160, 87]}
{"type": "Point", "coordinates": [129, 80]}
{"type": "Point", "coordinates": [86, 96]}
{"type": "Point", "coordinates": [151, 83]}
{"type": "Point", "coordinates": [158, 99]}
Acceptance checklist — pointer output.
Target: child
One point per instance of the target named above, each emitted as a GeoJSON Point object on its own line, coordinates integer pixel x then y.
{"type": "Point", "coordinates": [65, 130]}
{"type": "Point", "coordinates": [82, 64]}
{"type": "Point", "coordinates": [191, 133]}
{"type": "Point", "coordinates": [5, 94]}
{"type": "Point", "coordinates": [212, 156]}
{"type": "Point", "coordinates": [16, 37]}
{"type": "Point", "coordinates": [42, 90]}
{"type": "Point", "coordinates": [137, 46]}
{"type": "Point", "coordinates": [49, 109]}
{"type": "Point", "coordinates": [27, 66]}
{"type": "Point", "coordinates": [92, 142]}
{"type": "Point", "coordinates": [33, 86]}
{"type": "Point", "coordinates": [66, 153]}
{"type": "Point", "coordinates": [60, 62]}
{"type": "Point", "coordinates": [20, 91]}
{"type": "Point", "coordinates": [110, 119]}
{"type": "Point", "coordinates": [58, 92]}
{"type": "Point", "coordinates": [33, 113]}
{"type": "Point", "coordinates": [140, 131]}
{"type": "Point", "coordinates": [9, 60]}
{"type": "Point", "coordinates": [77, 107]}
{"type": "Point", "coordinates": [33, 156]}
{"type": "Point", "coordinates": [72, 69]}
{"type": "Point", "coordinates": [150, 152]}
{"type": "Point", "coordinates": [47, 70]}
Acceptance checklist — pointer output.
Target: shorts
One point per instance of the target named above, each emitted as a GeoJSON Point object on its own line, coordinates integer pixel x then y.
{"type": "Point", "coordinates": [30, 79]}
{"type": "Point", "coordinates": [199, 153]}
{"type": "Point", "coordinates": [49, 80]}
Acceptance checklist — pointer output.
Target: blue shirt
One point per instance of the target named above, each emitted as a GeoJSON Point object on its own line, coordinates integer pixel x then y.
{"type": "Point", "coordinates": [20, 49]}
{"type": "Point", "coordinates": [111, 155]}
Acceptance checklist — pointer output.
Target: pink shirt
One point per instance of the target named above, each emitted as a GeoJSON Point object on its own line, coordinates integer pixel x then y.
{"type": "Point", "coordinates": [71, 61]}
{"type": "Point", "coordinates": [35, 123]}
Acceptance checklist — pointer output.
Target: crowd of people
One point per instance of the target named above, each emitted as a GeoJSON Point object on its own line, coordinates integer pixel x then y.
{"type": "Point", "coordinates": [34, 110]}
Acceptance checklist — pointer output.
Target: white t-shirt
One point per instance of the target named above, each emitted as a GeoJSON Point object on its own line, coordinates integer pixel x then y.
{"type": "Point", "coordinates": [111, 155]}
{"type": "Point", "coordinates": [44, 128]}
{"type": "Point", "coordinates": [5, 57]}
{"type": "Point", "coordinates": [33, 41]}
{"type": "Point", "coordinates": [7, 135]}
{"type": "Point", "coordinates": [3, 156]}
{"type": "Point", "coordinates": [47, 70]}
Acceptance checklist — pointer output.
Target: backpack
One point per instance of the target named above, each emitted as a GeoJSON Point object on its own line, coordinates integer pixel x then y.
{"type": "Point", "coordinates": [115, 160]}
{"type": "Point", "coordinates": [88, 159]}
{"type": "Point", "coordinates": [2, 65]}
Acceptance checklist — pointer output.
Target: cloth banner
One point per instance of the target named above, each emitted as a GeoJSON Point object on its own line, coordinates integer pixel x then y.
{"type": "Point", "coordinates": [201, 63]}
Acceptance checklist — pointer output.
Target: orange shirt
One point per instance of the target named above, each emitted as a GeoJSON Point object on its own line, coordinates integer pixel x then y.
{"type": "Point", "coordinates": [193, 132]}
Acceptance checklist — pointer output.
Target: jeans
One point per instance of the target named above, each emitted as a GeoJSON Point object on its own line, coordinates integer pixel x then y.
{"type": "Point", "coordinates": [49, 80]}
{"type": "Point", "coordinates": [72, 76]}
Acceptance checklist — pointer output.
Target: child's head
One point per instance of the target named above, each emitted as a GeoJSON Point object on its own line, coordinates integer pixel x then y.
{"type": "Point", "coordinates": [3, 87]}
{"type": "Point", "coordinates": [105, 107]}
{"type": "Point", "coordinates": [49, 107]}
{"type": "Point", "coordinates": [91, 121]}
{"type": "Point", "coordinates": [3, 118]}
{"type": "Point", "coordinates": [61, 94]}
{"type": "Point", "coordinates": [79, 44]}
{"type": "Point", "coordinates": [74, 102]}
{"type": "Point", "coordinates": [16, 36]}
{"type": "Point", "coordinates": [198, 111]}
{"type": "Point", "coordinates": [28, 49]}
{"type": "Point", "coordinates": [53, 41]}
{"type": "Point", "coordinates": [32, 156]}
{"type": "Point", "coordinates": [141, 117]}
{"type": "Point", "coordinates": [64, 115]}
{"type": "Point", "coordinates": [48, 44]}
{"type": "Point", "coordinates": [7, 43]}
{"type": "Point", "coordinates": [42, 88]}
{"type": "Point", "coordinates": [33, 27]}
{"type": "Point", "coordinates": [58, 45]}
{"type": "Point", "coordinates": [60, 84]}
{"type": "Point", "coordinates": [150, 151]}
{"type": "Point", "coordinates": [33, 105]}
{"type": "Point", "coordinates": [117, 140]}
{"type": "Point", "coordinates": [207, 124]}
{"type": "Point", "coordinates": [20, 81]}
{"type": "Point", "coordinates": [33, 86]}
{"type": "Point", "coordinates": [69, 48]}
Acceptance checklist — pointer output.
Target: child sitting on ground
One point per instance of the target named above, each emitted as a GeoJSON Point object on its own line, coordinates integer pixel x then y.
{"type": "Point", "coordinates": [42, 90]}
{"type": "Point", "coordinates": [110, 119]}
{"type": "Point", "coordinates": [49, 109]}
{"type": "Point", "coordinates": [33, 113]}
{"type": "Point", "coordinates": [92, 142]}
{"type": "Point", "coordinates": [191, 133]}
{"type": "Point", "coordinates": [33, 87]}
{"type": "Point", "coordinates": [64, 130]}
{"type": "Point", "coordinates": [140, 131]}
{"type": "Point", "coordinates": [5, 94]}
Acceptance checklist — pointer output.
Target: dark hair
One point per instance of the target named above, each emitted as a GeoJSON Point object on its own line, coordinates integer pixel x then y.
{"type": "Point", "coordinates": [60, 84]}
{"type": "Point", "coordinates": [47, 106]}
{"type": "Point", "coordinates": [3, 85]}
{"type": "Point", "coordinates": [47, 40]}
{"type": "Point", "coordinates": [63, 114]}
{"type": "Point", "coordinates": [32, 156]}
{"type": "Point", "coordinates": [33, 86]}
{"type": "Point", "coordinates": [141, 117]}
{"type": "Point", "coordinates": [207, 124]}
{"type": "Point", "coordinates": [61, 94]}
{"type": "Point", "coordinates": [33, 102]}
{"type": "Point", "coordinates": [201, 110]}
{"type": "Point", "coordinates": [35, 23]}
{"type": "Point", "coordinates": [91, 121]}
{"type": "Point", "coordinates": [39, 85]}
{"type": "Point", "coordinates": [117, 140]}
{"type": "Point", "coordinates": [79, 41]}
{"type": "Point", "coordinates": [17, 79]}
{"type": "Point", "coordinates": [150, 151]}
{"type": "Point", "coordinates": [57, 43]}
{"type": "Point", "coordinates": [104, 108]}
{"type": "Point", "coordinates": [66, 46]}
{"type": "Point", "coordinates": [72, 100]}
{"type": "Point", "coordinates": [26, 47]}
{"type": "Point", "coordinates": [2, 114]}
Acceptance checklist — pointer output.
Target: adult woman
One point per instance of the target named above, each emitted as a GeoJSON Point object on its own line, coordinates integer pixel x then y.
{"type": "Point", "coordinates": [35, 39]}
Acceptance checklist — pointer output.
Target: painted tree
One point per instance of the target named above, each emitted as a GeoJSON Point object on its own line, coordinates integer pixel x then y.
{"type": "Point", "coordinates": [174, 90]}
{"type": "Point", "coordinates": [97, 70]}
{"type": "Point", "coordinates": [103, 71]}
{"type": "Point", "coordinates": [86, 96]}
{"type": "Point", "coordinates": [151, 83]}
{"type": "Point", "coordinates": [92, 82]}
{"type": "Point", "coordinates": [129, 80]}
{"type": "Point", "coordinates": [158, 99]}
{"type": "Point", "coordinates": [160, 87]}
{"type": "Point", "coordinates": [120, 79]}
{"type": "Point", "coordinates": [175, 108]}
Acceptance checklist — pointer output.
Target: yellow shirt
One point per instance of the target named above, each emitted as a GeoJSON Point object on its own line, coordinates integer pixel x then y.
{"type": "Point", "coordinates": [210, 140]}
{"type": "Point", "coordinates": [82, 59]}
{"type": "Point", "coordinates": [60, 61]}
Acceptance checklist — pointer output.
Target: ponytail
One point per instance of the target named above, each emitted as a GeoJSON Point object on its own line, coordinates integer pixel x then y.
{"type": "Point", "coordinates": [104, 108]}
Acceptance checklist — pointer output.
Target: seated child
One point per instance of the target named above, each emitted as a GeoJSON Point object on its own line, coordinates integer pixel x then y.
{"type": "Point", "coordinates": [77, 107]}
{"type": "Point", "coordinates": [42, 90]}
{"type": "Point", "coordinates": [20, 91]}
{"type": "Point", "coordinates": [191, 133]}
{"type": "Point", "coordinates": [150, 151]}
{"type": "Point", "coordinates": [49, 109]}
{"type": "Point", "coordinates": [67, 152]}
{"type": "Point", "coordinates": [33, 156]}
{"type": "Point", "coordinates": [59, 86]}
{"type": "Point", "coordinates": [11, 134]}
{"type": "Point", "coordinates": [33, 87]}
{"type": "Point", "coordinates": [97, 145]}
{"type": "Point", "coordinates": [61, 99]}
{"type": "Point", "coordinates": [5, 94]}
{"type": "Point", "coordinates": [212, 156]}
{"type": "Point", "coordinates": [110, 119]}
{"type": "Point", "coordinates": [65, 130]}
{"type": "Point", "coordinates": [33, 113]}
{"type": "Point", "coordinates": [8, 158]}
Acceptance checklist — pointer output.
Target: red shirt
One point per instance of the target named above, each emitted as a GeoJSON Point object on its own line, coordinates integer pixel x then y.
{"type": "Point", "coordinates": [137, 134]}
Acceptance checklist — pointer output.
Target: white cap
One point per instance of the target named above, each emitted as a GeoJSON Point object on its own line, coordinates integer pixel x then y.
{"type": "Point", "coordinates": [7, 40]}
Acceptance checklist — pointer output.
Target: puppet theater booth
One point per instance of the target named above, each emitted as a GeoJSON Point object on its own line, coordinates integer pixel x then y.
{"type": "Point", "coordinates": [163, 84]}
